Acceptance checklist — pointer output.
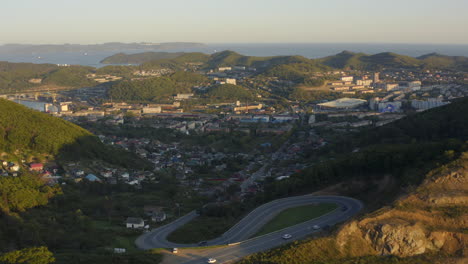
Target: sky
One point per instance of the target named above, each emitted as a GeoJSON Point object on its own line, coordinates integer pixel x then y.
{"type": "Point", "coordinates": [234, 21]}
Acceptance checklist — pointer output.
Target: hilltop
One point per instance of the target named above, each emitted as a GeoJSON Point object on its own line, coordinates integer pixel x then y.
{"type": "Point", "coordinates": [344, 60]}
{"type": "Point", "coordinates": [219, 59]}
{"type": "Point", "coordinates": [16, 77]}
{"type": "Point", "coordinates": [361, 61]}
{"type": "Point", "coordinates": [435, 60]}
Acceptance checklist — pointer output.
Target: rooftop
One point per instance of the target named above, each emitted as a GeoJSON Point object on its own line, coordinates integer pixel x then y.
{"type": "Point", "coordinates": [344, 103]}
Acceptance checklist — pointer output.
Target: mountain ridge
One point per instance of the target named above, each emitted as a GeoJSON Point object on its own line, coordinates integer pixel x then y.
{"type": "Point", "coordinates": [343, 60]}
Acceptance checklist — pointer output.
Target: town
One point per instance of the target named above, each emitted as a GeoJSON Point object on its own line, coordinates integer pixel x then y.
{"type": "Point", "coordinates": [245, 135]}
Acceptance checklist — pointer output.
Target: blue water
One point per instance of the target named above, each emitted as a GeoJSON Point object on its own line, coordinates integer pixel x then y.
{"type": "Point", "coordinates": [36, 105]}
{"type": "Point", "coordinates": [309, 50]}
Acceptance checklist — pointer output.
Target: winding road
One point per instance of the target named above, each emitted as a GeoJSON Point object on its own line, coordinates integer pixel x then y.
{"type": "Point", "coordinates": [238, 236]}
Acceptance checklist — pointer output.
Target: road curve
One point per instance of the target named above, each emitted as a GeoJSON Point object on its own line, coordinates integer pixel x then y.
{"type": "Point", "coordinates": [250, 224]}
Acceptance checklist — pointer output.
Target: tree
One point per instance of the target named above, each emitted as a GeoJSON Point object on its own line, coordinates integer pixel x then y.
{"type": "Point", "coordinates": [35, 255]}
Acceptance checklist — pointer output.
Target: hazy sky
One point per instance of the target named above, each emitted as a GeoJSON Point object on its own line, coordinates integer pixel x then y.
{"type": "Point", "coordinates": [227, 21]}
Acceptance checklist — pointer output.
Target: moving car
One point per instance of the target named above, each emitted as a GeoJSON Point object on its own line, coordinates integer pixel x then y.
{"type": "Point", "coordinates": [211, 260]}
{"type": "Point", "coordinates": [203, 243]}
{"type": "Point", "coordinates": [316, 227]}
{"type": "Point", "coordinates": [286, 236]}
{"type": "Point", "coordinates": [175, 250]}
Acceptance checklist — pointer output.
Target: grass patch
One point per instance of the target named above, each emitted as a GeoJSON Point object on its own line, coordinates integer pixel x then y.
{"type": "Point", "coordinates": [121, 237]}
{"type": "Point", "coordinates": [202, 228]}
{"type": "Point", "coordinates": [294, 216]}
{"type": "Point", "coordinates": [141, 257]}
{"type": "Point", "coordinates": [127, 242]}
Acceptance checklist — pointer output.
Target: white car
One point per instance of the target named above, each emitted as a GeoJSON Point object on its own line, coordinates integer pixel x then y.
{"type": "Point", "coordinates": [316, 227]}
{"type": "Point", "coordinates": [286, 236]}
{"type": "Point", "coordinates": [211, 260]}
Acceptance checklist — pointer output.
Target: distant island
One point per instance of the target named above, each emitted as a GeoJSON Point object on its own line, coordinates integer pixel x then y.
{"type": "Point", "coordinates": [111, 46]}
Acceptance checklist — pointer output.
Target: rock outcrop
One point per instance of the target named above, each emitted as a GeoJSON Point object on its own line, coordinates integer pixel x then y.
{"type": "Point", "coordinates": [434, 218]}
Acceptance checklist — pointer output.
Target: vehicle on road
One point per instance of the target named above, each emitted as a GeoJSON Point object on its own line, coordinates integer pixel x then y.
{"type": "Point", "coordinates": [175, 250]}
{"type": "Point", "coordinates": [203, 243]}
{"type": "Point", "coordinates": [344, 208]}
{"type": "Point", "coordinates": [286, 236]}
{"type": "Point", "coordinates": [211, 260]}
{"type": "Point", "coordinates": [316, 227]}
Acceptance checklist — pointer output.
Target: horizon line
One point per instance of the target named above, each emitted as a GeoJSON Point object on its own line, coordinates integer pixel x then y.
{"type": "Point", "coordinates": [250, 43]}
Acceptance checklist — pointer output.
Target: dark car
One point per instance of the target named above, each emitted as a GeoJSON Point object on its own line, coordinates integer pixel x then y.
{"type": "Point", "coordinates": [203, 243]}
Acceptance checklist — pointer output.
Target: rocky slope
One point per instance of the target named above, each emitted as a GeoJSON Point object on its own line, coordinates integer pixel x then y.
{"type": "Point", "coordinates": [434, 218]}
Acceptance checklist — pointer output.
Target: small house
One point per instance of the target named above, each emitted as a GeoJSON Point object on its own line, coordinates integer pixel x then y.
{"type": "Point", "coordinates": [135, 222]}
{"type": "Point", "coordinates": [14, 167]}
{"type": "Point", "coordinates": [36, 167]}
{"type": "Point", "coordinates": [92, 178]}
{"type": "Point", "coordinates": [158, 216]}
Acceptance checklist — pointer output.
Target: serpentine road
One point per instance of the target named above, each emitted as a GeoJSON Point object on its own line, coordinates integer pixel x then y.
{"type": "Point", "coordinates": [238, 236]}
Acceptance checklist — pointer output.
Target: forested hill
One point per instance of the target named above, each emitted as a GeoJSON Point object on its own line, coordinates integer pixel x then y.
{"type": "Point", "coordinates": [362, 61]}
{"type": "Point", "coordinates": [343, 60]}
{"type": "Point", "coordinates": [27, 133]}
{"type": "Point", "coordinates": [16, 77]}
{"type": "Point", "coordinates": [231, 58]}
{"type": "Point", "coordinates": [219, 59]}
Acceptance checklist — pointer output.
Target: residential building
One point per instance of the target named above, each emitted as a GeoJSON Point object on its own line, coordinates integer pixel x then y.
{"type": "Point", "coordinates": [347, 78]}
{"type": "Point", "coordinates": [391, 86]}
{"type": "Point", "coordinates": [364, 82]}
{"type": "Point", "coordinates": [184, 96]}
{"type": "Point", "coordinates": [134, 222]}
{"type": "Point", "coordinates": [375, 77]}
{"type": "Point", "coordinates": [151, 110]}
{"type": "Point", "coordinates": [222, 69]}
{"type": "Point", "coordinates": [231, 81]}
{"type": "Point", "coordinates": [247, 108]}
{"type": "Point", "coordinates": [36, 167]}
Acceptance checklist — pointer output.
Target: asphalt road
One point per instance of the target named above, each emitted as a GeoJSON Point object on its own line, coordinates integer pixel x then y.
{"type": "Point", "coordinates": [249, 225]}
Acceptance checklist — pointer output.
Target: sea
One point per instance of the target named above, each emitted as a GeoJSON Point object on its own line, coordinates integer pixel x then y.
{"type": "Point", "coordinates": [309, 50]}
{"type": "Point", "coordinates": [36, 105]}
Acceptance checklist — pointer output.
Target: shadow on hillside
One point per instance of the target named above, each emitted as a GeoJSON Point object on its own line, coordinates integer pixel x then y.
{"type": "Point", "coordinates": [91, 148]}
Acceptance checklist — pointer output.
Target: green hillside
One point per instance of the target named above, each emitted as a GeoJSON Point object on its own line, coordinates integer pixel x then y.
{"type": "Point", "coordinates": [282, 64]}
{"type": "Point", "coordinates": [229, 92]}
{"type": "Point", "coordinates": [298, 72]}
{"type": "Point", "coordinates": [15, 77]}
{"type": "Point", "coordinates": [26, 133]}
{"type": "Point", "coordinates": [439, 61]}
{"type": "Point", "coordinates": [361, 61]}
{"type": "Point", "coordinates": [178, 62]}
{"type": "Point", "coordinates": [224, 58]}
{"type": "Point", "coordinates": [231, 58]}
{"type": "Point", "coordinates": [153, 89]}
